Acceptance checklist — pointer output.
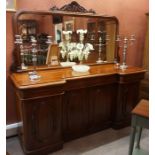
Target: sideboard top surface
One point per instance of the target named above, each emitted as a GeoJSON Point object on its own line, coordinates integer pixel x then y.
{"type": "Point", "coordinates": [60, 76]}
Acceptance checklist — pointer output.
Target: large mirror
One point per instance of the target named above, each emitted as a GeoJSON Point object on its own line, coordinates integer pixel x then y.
{"type": "Point", "coordinates": [43, 32]}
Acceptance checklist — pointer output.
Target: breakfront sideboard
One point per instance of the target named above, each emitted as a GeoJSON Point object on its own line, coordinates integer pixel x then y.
{"type": "Point", "coordinates": [63, 104]}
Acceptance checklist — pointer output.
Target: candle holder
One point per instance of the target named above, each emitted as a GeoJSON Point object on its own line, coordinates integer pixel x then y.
{"type": "Point", "coordinates": [100, 48]}
{"type": "Point", "coordinates": [126, 42]}
{"type": "Point", "coordinates": [19, 41]}
{"type": "Point", "coordinates": [34, 75]}
{"type": "Point", "coordinates": [68, 45]}
{"type": "Point", "coordinates": [92, 37]}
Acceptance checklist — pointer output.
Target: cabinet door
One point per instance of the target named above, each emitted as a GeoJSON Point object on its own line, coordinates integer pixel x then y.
{"type": "Point", "coordinates": [101, 100]}
{"type": "Point", "coordinates": [75, 114]}
{"type": "Point", "coordinates": [42, 120]}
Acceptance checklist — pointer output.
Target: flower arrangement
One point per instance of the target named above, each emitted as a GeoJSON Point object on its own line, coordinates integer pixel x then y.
{"type": "Point", "coordinates": [72, 50]}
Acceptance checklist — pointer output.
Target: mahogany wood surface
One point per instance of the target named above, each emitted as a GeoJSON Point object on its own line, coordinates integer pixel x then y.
{"type": "Point", "coordinates": [61, 75]}
{"type": "Point", "coordinates": [64, 105]}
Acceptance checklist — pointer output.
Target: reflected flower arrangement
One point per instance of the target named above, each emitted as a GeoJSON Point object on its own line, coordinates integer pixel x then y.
{"type": "Point", "coordinates": [73, 50]}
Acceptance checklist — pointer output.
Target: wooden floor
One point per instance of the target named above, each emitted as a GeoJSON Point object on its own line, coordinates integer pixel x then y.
{"type": "Point", "coordinates": [107, 142]}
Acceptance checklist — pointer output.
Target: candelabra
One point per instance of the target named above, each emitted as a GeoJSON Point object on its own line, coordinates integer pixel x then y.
{"type": "Point", "coordinates": [126, 41]}
{"type": "Point", "coordinates": [68, 43]}
{"type": "Point", "coordinates": [19, 41]}
{"type": "Point", "coordinates": [92, 37]}
{"type": "Point", "coordinates": [34, 75]}
{"type": "Point", "coordinates": [100, 48]}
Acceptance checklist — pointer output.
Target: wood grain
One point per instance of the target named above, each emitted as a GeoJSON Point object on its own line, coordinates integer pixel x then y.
{"type": "Point", "coordinates": [61, 75]}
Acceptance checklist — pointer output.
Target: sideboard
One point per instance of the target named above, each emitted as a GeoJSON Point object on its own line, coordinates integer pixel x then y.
{"type": "Point", "coordinates": [64, 105]}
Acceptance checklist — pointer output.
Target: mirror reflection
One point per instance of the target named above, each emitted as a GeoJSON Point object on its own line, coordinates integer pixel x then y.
{"type": "Point", "coordinates": [61, 38]}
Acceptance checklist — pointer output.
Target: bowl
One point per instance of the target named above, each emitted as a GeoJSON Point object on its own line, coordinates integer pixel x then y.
{"type": "Point", "coordinates": [67, 64]}
{"type": "Point", "coordinates": [80, 68]}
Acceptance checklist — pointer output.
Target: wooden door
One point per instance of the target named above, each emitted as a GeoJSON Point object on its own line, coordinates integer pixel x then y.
{"type": "Point", "coordinates": [42, 121]}
{"type": "Point", "coordinates": [75, 114]}
{"type": "Point", "coordinates": [101, 100]}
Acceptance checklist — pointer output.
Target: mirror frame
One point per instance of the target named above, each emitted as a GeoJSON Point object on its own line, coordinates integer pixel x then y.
{"type": "Point", "coordinates": [57, 12]}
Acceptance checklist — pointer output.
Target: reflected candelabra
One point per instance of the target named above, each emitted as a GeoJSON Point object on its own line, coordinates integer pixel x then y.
{"type": "Point", "coordinates": [126, 41]}
{"type": "Point", "coordinates": [19, 41]}
{"type": "Point", "coordinates": [100, 48]}
{"type": "Point", "coordinates": [67, 44]}
{"type": "Point", "coordinates": [34, 75]}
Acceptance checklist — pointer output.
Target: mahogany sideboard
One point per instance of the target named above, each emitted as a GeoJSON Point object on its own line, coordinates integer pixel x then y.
{"type": "Point", "coordinates": [64, 105]}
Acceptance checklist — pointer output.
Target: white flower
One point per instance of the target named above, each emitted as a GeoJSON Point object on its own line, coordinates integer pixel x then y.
{"type": "Point", "coordinates": [75, 50]}
{"type": "Point", "coordinates": [89, 46]}
{"type": "Point", "coordinates": [81, 31]}
{"type": "Point", "coordinates": [79, 46]}
{"type": "Point", "coordinates": [67, 32]}
{"type": "Point", "coordinates": [61, 44]}
{"type": "Point", "coordinates": [63, 53]}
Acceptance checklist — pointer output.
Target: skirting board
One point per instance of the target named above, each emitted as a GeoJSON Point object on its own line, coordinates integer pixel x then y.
{"type": "Point", "coordinates": [11, 129]}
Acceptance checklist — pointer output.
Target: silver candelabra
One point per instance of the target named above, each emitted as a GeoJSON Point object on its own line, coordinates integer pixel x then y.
{"type": "Point", "coordinates": [19, 41]}
{"type": "Point", "coordinates": [34, 75]}
{"type": "Point", "coordinates": [126, 42]}
{"type": "Point", "coordinates": [100, 48]}
{"type": "Point", "coordinates": [68, 48]}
